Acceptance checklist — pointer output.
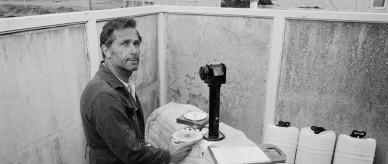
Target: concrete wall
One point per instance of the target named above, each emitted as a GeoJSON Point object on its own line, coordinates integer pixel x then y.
{"type": "Point", "coordinates": [42, 75]}
{"type": "Point", "coordinates": [242, 44]}
{"type": "Point", "coordinates": [335, 74]}
{"type": "Point", "coordinates": [147, 76]}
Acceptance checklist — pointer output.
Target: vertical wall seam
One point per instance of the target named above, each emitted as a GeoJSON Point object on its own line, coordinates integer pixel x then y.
{"type": "Point", "coordinates": [161, 58]}
{"type": "Point", "coordinates": [253, 4]}
{"type": "Point", "coordinates": [278, 31]}
{"type": "Point", "coordinates": [92, 41]}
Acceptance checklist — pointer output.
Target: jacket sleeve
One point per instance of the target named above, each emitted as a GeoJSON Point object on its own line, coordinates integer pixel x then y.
{"type": "Point", "coordinates": [119, 132]}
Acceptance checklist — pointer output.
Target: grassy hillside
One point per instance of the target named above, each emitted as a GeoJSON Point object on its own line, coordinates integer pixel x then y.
{"type": "Point", "coordinates": [16, 8]}
{"type": "Point", "coordinates": [11, 10]}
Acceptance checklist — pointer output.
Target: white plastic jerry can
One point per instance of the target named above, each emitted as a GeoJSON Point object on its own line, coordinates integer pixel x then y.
{"type": "Point", "coordinates": [315, 146]}
{"type": "Point", "coordinates": [283, 136]}
{"type": "Point", "coordinates": [354, 149]}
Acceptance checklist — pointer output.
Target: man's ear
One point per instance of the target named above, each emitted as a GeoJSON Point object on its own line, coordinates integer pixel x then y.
{"type": "Point", "coordinates": [105, 51]}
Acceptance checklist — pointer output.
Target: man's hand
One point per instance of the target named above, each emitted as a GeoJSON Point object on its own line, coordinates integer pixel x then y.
{"type": "Point", "coordinates": [178, 151]}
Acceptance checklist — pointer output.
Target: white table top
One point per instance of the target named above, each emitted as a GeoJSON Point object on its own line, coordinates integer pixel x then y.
{"type": "Point", "coordinates": [162, 123]}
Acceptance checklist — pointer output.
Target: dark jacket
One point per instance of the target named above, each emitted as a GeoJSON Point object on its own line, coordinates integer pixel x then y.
{"type": "Point", "coordinates": [114, 124]}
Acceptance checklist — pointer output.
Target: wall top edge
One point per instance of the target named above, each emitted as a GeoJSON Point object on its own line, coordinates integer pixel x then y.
{"type": "Point", "coordinates": [287, 14]}
{"type": "Point", "coordinates": [9, 25]}
{"type": "Point", "coordinates": [41, 21]}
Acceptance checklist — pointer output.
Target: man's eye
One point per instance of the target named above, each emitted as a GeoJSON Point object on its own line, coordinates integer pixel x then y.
{"type": "Point", "coordinates": [137, 43]}
{"type": "Point", "coordinates": [125, 43]}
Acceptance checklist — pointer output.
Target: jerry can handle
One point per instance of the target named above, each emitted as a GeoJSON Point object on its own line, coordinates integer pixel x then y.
{"type": "Point", "coordinates": [358, 134]}
{"type": "Point", "coordinates": [317, 129]}
{"type": "Point", "coordinates": [283, 124]}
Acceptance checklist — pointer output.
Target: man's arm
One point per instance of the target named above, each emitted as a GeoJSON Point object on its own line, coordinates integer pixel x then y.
{"type": "Point", "coordinates": [118, 132]}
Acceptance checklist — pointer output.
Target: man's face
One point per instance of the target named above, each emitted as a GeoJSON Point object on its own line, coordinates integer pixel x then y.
{"type": "Point", "coordinates": [124, 51]}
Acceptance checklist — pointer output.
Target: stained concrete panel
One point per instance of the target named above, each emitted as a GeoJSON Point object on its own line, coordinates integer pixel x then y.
{"type": "Point", "coordinates": [42, 75]}
{"type": "Point", "coordinates": [335, 74]}
{"type": "Point", "coordinates": [147, 75]}
{"type": "Point", "coordinates": [242, 44]}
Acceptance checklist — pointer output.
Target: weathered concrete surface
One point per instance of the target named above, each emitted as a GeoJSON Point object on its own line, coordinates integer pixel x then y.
{"type": "Point", "coordinates": [213, 3]}
{"type": "Point", "coordinates": [147, 76]}
{"type": "Point", "coordinates": [335, 74]}
{"type": "Point", "coordinates": [242, 44]}
{"type": "Point", "coordinates": [42, 75]}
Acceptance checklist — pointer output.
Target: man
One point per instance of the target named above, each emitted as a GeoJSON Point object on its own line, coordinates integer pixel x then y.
{"type": "Point", "coordinates": [111, 112]}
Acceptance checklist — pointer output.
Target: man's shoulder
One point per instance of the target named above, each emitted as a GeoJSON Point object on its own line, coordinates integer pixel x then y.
{"type": "Point", "coordinates": [97, 86]}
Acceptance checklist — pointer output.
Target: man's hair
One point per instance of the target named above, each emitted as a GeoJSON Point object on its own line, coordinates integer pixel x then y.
{"type": "Point", "coordinates": [107, 37]}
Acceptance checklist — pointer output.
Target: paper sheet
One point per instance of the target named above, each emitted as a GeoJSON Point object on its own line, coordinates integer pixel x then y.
{"type": "Point", "coordinates": [238, 154]}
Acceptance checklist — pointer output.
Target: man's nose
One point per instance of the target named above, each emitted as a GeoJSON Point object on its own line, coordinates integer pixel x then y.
{"type": "Point", "coordinates": [134, 50]}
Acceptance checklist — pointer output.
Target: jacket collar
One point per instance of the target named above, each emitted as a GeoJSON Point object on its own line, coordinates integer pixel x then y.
{"type": "Point", "coordinates": [107, 75]}
{"type": "Point", "coordinates": [114, 82]}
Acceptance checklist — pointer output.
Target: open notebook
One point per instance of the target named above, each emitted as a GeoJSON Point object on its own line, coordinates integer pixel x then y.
{"type": "Point", "coordinates": [238, 155]}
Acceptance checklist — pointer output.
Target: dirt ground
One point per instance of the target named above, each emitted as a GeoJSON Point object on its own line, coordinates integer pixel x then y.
{"type": "Point", "coordinates": [16, 8]}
